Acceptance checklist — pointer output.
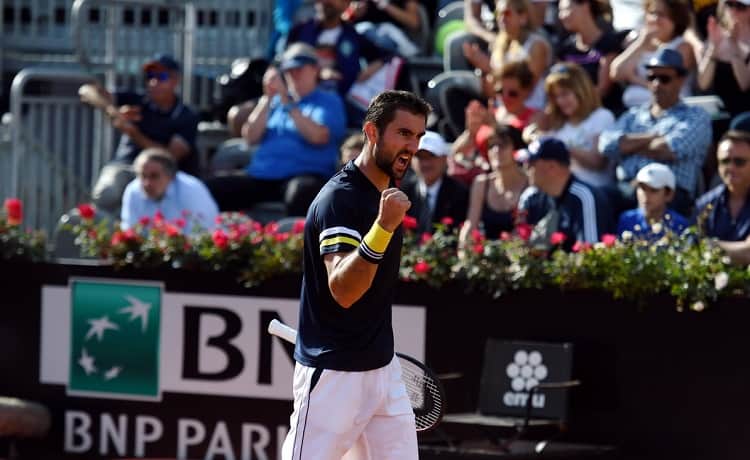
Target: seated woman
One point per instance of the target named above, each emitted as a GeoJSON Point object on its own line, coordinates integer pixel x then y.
{"type": "Point", "coordinates": [494, 195]}
{"type": "Point", "coordinates": [666, 23]}
{"type": "Point", "coordinates": [513, 85]}
{"type": "Point", "coordinates": [575, 116]}
{"type": "Point", "coordinates": [387, 23]}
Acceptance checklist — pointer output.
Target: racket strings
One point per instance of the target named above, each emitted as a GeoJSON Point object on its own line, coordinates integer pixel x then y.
{"type": "Point", "coordinates": [424, 393]}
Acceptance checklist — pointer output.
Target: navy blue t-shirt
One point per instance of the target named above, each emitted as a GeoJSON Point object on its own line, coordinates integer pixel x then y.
{"type": "Point", "coordinates": [160, 126]}
{"type": "Point", "coordinates": [358, 338]}
{"type": "Point", "coordinates": [719, 222]}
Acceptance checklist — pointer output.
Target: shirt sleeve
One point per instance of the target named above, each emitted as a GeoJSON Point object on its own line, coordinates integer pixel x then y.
{"type": "Point", "coordinates": [187, 128]}
{"type": "Point", "coordinates": [690, 137]}
{"type": "Point", "coordinates": [129, 215]}
{"type": "Point", "coordinates": [330, 113]}
{"type": "Point", "coordinates": [126, 98]}
{"type": "Point", "coordinates": [609, 140]}
{"type": "Point", "coordinates": [205, 207]}
{"type": "Point", "coordinates": [336, 220]}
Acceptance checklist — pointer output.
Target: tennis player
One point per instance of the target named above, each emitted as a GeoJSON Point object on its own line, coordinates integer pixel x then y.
{"type": "Point", "coordinates": [347, 381]}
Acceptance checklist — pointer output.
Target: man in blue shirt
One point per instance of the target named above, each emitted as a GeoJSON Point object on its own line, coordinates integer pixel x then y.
{"type": "Point", "coordinates": [297, 127]}
{"type": "Point", "coordinates": [159, 186]}
{"type": "Point", "coordinates": [724, 212]}
{"type": "Point", "coordinates": [666, 131]}
{"type": "Point", "coordinates": [557, 201]}
{"type": "Point", "coordinates": [655, 185]}
{"type": "Point", "coordinates": [155, 119]}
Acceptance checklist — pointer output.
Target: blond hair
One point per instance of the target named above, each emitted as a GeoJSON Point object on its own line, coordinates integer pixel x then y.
{"type": "Point", "coordinates": [572, 77]}
{"type": "Point", "coordinates": [504, 41]}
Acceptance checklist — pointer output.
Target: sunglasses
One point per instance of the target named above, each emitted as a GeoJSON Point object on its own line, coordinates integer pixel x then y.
{"type": "Point", "coordinates": [160, 76]}
{"type": "Point", "coordinates": [739, 6]}
{"type": "Point", "coordinates": [736, 161]}
{"type": "Point", "coordinates": [511, 93]}
{"type": "Point", "coordinates": [663, 79]}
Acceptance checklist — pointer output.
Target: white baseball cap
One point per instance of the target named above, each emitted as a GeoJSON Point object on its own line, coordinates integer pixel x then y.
{"type": "Point", "coordinates": [434, 143]}
{"type": "Point", "coordinates": [656, 175]}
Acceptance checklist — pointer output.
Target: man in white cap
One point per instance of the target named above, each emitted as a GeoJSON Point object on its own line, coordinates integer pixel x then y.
{"type": "Point", "coordinates": [434, 194]}
{"type": "Point", "coordinates": [655, 188]}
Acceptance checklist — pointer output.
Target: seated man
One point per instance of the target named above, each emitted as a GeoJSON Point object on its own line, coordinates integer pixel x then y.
{"type": "Point", "coordinates": [159, 186]}
{"type": "Point", "coordinates": [724, 212]}
{"type": "Point", "coordinates": [666, 131]}
{"type": "Point", "coordinates": [558, 202]}
{"type": "Point", "coordinates": [298, 128]}
{"type": "Point", "coordinates": [155, 119]}
{"type": "Point", "coordinates": [655, 184]}
{"type": "Point", "coordinates": [433, 194]}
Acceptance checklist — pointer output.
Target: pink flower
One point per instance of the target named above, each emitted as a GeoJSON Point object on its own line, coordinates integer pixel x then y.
{"type": "Point", "coordinates": [505, 236]}
{"type": "Point", "coordinates": [524, 231]}
{"type": "Point", "coordinates": [145, 220]}
{"type": "Point", "coordinates": [86, 211]}
{"type": "Point", "coordinates": [477, 236]}
{"type": "Point", "coordinates": [426, 237]}
{"type": "Point", "coordinates": [299, 226]}
{"type": "Point", "coordinates": [271, 227]}
{"type": "Point", "coordinates": [281, 237]}
{"type": "Point", "coordinates": [130, 234]}
{"type": "Point", "coordinates": [220, 239]}
{"type": "Point", "coordinates": [218, 220]}
{"type": "Point", "coordinates": [180, 222]}
{"type": "Point", "coordinates": [446, 220]}
{"type": "Point", "coordinates": [409, 223]}
{"type": "Point", "coordinates": [478, 248]}
{"type": "Point", "coordinates": [580, 246]}
{"type": "Point", "coordinates": [14, 211]}
{"type": "Point", "coordinates": [422, 267]}
{"type": "Point", "coordinates": [171, 230]}
{"type": "Point", "coordinates": [158, 217]}
{"type": "Point", "coordinates": [609, 240]}
{"type": "Point", "coordinates": [557, 238]}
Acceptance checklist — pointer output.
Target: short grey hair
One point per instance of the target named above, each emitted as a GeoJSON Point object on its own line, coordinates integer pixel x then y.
{"type": "Point", "coordinates": [158, 155]}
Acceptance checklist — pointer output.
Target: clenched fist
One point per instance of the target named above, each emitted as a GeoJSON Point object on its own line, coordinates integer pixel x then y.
{"type": "Point", "coordinates": [393, 206]}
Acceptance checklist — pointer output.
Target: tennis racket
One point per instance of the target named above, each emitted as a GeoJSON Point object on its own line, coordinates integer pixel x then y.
{"type": "Point", "coordinates": [422, 385]}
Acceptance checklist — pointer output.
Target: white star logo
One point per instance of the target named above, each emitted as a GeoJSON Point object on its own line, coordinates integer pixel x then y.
{"type": "Point", "coordinates": [112, 373]}
{"type": "Point", "coordinates": [137, 309]}
{"type": "Point", "coordinates": [86, 361]}
{"type": "Point", "coordinates": [98, 326]}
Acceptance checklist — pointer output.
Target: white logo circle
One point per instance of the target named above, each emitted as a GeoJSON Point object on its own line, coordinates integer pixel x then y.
{"type": "Point", "coordinates": [526, 370]}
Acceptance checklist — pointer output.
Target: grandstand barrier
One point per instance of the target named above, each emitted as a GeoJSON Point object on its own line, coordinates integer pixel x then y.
{"type": "Point", "coordinates": [57, 146]}
{"type": "Point", "coordinates": [656, 383]}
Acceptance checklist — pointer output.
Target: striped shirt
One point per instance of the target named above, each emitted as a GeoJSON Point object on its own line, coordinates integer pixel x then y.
{"type": "Point", "coordinates": [360, 337]}
{"type": "Point", "coordinates": [582, 213]}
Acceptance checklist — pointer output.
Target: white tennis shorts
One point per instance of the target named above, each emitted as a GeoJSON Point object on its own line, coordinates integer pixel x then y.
{"type": "Point", "coordinates": [367, 413]}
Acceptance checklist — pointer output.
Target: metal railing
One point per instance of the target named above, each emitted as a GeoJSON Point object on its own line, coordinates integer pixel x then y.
{"type": "Point", "coordinates": [56, 147]}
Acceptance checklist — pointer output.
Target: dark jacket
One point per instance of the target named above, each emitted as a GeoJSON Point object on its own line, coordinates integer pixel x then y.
{"type": "Point", "coordinates": [452, 201]}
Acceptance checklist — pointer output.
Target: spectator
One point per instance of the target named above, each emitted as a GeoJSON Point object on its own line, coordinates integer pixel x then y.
{"type": "Point", "coordinates": [473, 19]}
{"type": "Point", "coordinates": [558, 201]}
{"type": "Point", "coordinates": [655, 185]}
{"type": "Point", "coordinates": [351, 147]}
{"type": "Point", "coordinates": [591, 44]}
{"type": "Point", "coordinates": [666, 22]}
{"type": "Point", "coordinates": [434, 195]}
{"type": "Point", "coordinates": [159, 186]}
{"type": "Point", "coordinates": [723, 69]}
{"type": "Point", "coordinates": [154, 119]}
{"type": "Point", "coordinates": [494, 195]}
{"type": "Point", "coordinates": [575, 116]}
{"type": "Point", "coordinates": [339, 46]}
{"type": "Point", "coordinates": [386, 23]}
{"type": "Point", "coordinates": [724, 212]}
{"type": "Point", "coordinates": [666, 131]}
{"type": "Point", "coordinates": [514, 84]}
{"type": "Point", "coordinates": [517, 41]}
{"type": "Point", "coordinates": [298, 133]}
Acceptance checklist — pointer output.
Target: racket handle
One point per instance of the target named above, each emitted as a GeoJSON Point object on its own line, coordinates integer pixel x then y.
{"type": "Point", "coordinates": [279, 329]}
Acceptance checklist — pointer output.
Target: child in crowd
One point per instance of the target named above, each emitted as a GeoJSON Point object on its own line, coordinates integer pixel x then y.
{"type": "Point", "coordinates": [655, 186]}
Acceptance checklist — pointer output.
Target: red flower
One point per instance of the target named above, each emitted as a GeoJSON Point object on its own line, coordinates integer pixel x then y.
{"type": "Point", "coordinates": [422, 267]}
{"type": "Point", "coordinates": [145, 220]}
{"type": "Point", "coordinates": [271, 227]}
{"type": "Point", "coordinates": [130, 234]}
{"type": "Point", "coordinates": [477, 236]}
{"type": "Point", "coordinates": [92, 233]}
{"type": "Point", "coordinates": [171, 230]}
{"type": "Point", "coordinates": [218, 220]}
{"type": "Point", "coordinates": [158, 216]}
{"type": "Point", "coordinates": [609, 240]}
{"type": "Point", "coordinates": [117, 238]}
{"type": "Point", "coordinates": [14, 211]}
{"type": "Point", "coordinates": [180, 222]}
{"type": "Point", "coordinates": [281, 237]}
{"type": "Point", "coordinates": [299, 226]}
{"type": "Point", "coordinates": [257, 226]}
{"type": "Point", "coordinates": [86, 211]}
{"type": "Point", "coordinates": [524, 231]}
{"type": "Point", "coordinates": [446, 220]}
{"type": "Point", "coordinates": [426, 237]}
{"type": "Point", "coordinates": [505, 236]}
{"type": "Point", "coordinates": [409, 223]}
{"type": "Point", "coordinates": [220, 239]}
{"type": "Point", "coordinates": [478, 248]}
{"type": "Point", "coordinates": [557, 238]}
{"type": "Point", "coordinates": [581, 246]}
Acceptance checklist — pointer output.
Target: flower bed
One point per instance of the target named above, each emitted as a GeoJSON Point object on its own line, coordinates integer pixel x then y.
{"type": "Point", "coordinates": [693, 270]}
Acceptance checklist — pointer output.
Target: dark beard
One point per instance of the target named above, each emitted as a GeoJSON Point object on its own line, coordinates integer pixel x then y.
{"type": "Point", "coordinates": [385, 165]}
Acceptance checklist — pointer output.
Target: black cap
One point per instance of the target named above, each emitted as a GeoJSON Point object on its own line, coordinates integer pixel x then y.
{"type": "Point", "coordinates": [548, 148]}
{"type": "Point", "coordinates": [667, 57]}
{"type": "Point", "coordinates": [161, 62]}
{"type": "Point", "coordinates": [741, 123]}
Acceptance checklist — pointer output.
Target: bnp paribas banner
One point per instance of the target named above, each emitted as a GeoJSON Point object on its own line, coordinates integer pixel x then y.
{"type": "Point", "coordinates": [146, 372]}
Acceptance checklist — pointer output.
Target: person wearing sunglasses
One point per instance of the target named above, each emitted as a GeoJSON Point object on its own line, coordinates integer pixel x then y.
{"type": "Point", "coordinates": [723, 69]}
{"type": "Point", "coordinates": [724, 211]}
{"type": "Point", "coordinates": [666, 131]}
{"type": "Point", "coordinates": [155, 117]}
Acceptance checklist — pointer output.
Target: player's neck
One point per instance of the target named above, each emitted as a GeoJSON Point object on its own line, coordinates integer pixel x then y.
{"type": "Point", "coordinates": [366, 163]}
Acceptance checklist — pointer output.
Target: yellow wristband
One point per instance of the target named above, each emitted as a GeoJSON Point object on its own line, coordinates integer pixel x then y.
{"type": "Point", "coordinates": [377, 238]}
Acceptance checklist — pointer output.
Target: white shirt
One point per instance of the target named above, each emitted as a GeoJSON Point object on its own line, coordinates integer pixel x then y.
{"type": "Point", "coordinates": [584, 136]}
